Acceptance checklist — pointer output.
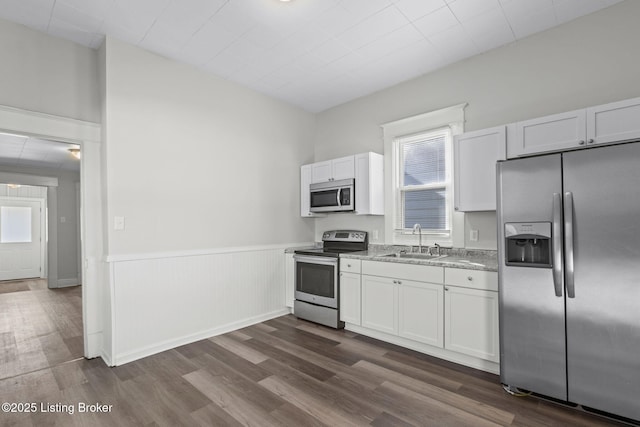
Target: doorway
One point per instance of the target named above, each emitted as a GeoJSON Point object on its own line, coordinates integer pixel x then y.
{"type": "Point", "coordinates": [97, 316]}
{"type": "Point", "coordinates": [40, 293]}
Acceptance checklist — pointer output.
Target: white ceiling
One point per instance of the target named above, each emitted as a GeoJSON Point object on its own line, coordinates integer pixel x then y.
{"type": "Point", "coordinates": [38, 153]}
{"type": "Point", "coordinates": [312, 53]}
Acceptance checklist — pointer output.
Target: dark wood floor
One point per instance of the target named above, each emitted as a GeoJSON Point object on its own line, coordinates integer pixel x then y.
{"type": "Point", "coordinates": [39, 327]}
{"type": "Point", "coordinates": [283, 372]}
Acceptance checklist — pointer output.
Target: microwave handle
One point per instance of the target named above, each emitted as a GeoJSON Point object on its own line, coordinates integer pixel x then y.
{"type": "Point", "coordinates": [338, 196]}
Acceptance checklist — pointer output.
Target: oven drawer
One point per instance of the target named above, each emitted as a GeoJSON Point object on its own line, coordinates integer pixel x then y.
{"type": "Point", "coordinates": [348, 265]}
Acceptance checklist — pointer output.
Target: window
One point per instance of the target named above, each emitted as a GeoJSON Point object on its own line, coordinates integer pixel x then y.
{"type": "Point", "coordinates": [15, 224]}
{"type": "Point", "coordinates": [418, 178]}
{"type": "Point", "coordinates": [423, 181]}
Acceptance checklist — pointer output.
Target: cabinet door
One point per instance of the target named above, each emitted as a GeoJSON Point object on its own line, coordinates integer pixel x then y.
{"type": "Point", "coordinates": [343, 168]}
{"type": "Point", "coordinates": [369, 175]}
{"type": "Point", "coordinates": [471, 322]}
{"type": "Point", "coordinates": [305, 201]}
{"type": "Point", "coordinates": [350, 298]}
{"type": "Point", "coordinates": [321, 172]}
{"type": "Point", "coordinates": [475, 157]}
{"type": "Point", "coordinates": [379, 302]}
{"type": "Point", "coordinates": [289, 275]}
{"type": "Point", "coordinates": [551, 133]}
{"type": "Point", "coordinates": [420, 312]}
{"type": "Point", "coordinates": [618, 121]}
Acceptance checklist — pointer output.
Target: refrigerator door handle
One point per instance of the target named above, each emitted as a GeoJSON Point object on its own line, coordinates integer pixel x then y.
{"type": "Point", "coordinates": [568, 244]}
{"type": "Point", "coordinates": [557, 243]}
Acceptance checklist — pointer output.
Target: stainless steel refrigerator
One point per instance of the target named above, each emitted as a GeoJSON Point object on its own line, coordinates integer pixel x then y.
{"type": "Point", "coordinates": [569, 276]}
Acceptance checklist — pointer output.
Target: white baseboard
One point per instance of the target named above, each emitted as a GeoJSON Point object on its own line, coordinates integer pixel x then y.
{"type": "Point", "coordinates": [64, 283]}
{"type": "Point", "coordinates": [441, 353]}
{"type": "Point", "coordinates": [121, 359]}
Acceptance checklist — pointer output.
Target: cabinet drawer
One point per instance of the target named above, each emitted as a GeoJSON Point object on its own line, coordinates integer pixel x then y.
{"type": "Point", "coordinates": [348, 265]}
{"type": "Point", "coordinates": [475, 279]}
{"type": "Point", "coordinates": [420, 273]}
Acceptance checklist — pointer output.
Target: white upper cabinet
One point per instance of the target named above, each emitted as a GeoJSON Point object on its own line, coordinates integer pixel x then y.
{"type": "Point", "coordinates": [475, 157]}
{"type": "Point", "coordinates": [369, 184]}
{"type": "Point", "coordinates": [618, 121]}
{"type": "Point", "coordinates": [366, 168]}
{"type": "Point", "coordinates": [333, 170]}
{"type": "Point", "coordinates": [551, 133]}
{"type": "Point", "coordinates": [321, 172]}
{"type": "Point", "coordinates": [614, 122]}
{"type": "Point", "coordinates": [305, 197]}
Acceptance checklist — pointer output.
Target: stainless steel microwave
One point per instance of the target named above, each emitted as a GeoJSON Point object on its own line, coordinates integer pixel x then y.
{"type": "Point", "coordinates": [332, 196]}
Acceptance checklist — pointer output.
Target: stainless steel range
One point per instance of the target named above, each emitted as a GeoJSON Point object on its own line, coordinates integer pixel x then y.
{"type": "Point", "coordinates": [317, 276]}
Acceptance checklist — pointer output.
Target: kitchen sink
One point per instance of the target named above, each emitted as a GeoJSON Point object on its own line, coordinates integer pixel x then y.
{"type": "Point", "coordinates": [413, 256]}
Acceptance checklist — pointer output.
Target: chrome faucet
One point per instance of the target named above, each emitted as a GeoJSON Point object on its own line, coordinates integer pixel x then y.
{"type": "Point", "coordinates": [418, 227]}
{"type": "Point", "coordinates": [436, 247]}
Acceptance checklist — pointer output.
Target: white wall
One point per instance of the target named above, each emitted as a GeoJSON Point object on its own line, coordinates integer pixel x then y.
{"type": "Point", "coordinates": [46, 74]}
{"type": "Point", "coordinates": [194, 161]}
{"type": "Point", "coordinates": [589, 61]}
{"type": "Point", "coordinates": [206, 174]}
{"type": "Point", "coordinates": [68, 231]}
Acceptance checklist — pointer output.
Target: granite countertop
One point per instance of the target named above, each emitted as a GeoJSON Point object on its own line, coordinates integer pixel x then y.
{"type": "Point", "coordinates": [471, 259]}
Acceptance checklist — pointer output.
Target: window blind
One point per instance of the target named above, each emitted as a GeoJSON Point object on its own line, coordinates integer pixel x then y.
{"type": "Point", "coordinates": [422, 182]}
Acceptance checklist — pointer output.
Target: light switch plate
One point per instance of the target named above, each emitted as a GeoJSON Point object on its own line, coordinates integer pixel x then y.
{"type": "Point", "coordinates": [473, 235]}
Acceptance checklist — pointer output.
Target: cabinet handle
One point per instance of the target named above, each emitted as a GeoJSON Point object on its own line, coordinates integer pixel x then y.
{"type": "Point", "coordinates": [591, 141]}
{"type": "Point", "coordinates": [581, 142]}
{"type": "Point", "coordinates": [446, 289]}
{"type": "Point", "coordinates": [399, 282]}
{"type": "Point", "coordinates": [469, 278]}
{"type": "Point", "coordinates": [349, 265]}
{"type": "Point", "coordinates": [456, 208]}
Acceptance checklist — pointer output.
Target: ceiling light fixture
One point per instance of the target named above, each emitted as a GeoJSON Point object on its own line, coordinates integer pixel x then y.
{"type": "Point", "coordinates": [75, 152]}
{"type": "Point", "coordinates": [13, 185]}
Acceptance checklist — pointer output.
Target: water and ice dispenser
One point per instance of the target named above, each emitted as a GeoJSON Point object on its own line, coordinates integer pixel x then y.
{"type": "Point", "coordinates": [528, 244]}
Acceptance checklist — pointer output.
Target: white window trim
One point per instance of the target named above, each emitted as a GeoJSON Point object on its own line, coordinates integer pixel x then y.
{"type": "Point", "coordinates": [452, 117]}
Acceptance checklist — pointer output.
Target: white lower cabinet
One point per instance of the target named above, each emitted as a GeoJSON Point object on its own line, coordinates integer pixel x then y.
{"type": "Point", "coordinates": [471, 322]}
{"type": "Point", "coordinates": [350, 297]}
{"type": "Point", "coordinates": [394, 302]}
{"type": "Point", "coordinates": [380, 304]}
{"type": "Point", "coordinates": [471, 313]}
{"type": "Point", "coordinates": [289, 279]}
{"type": "Point", "coordinates": [420, 312]}
{"type": "Point", "coordinates": [401, 307]}
{"type": "Point", "coordinates": [453, 311]}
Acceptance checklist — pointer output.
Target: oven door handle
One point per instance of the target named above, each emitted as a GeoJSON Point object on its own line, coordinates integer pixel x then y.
{"type": "Point", "coordinates": [316, 259]}
{"type": "Point", "coordinates": [338, 196]}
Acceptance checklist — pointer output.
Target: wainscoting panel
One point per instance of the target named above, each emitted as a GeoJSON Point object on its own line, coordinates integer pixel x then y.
{"type": "Point", "coordinates": [160, 303]}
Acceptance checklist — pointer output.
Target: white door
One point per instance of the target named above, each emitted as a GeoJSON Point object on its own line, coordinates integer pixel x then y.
{"type": "Point", "coordinates": [20, 239]}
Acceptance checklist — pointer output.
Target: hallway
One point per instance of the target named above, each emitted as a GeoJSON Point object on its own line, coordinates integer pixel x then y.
{"type": "Point", "coordinates": [39, 327]}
